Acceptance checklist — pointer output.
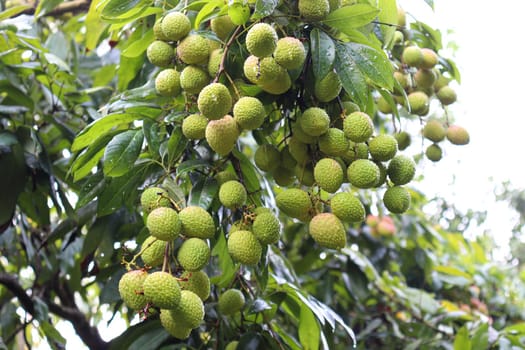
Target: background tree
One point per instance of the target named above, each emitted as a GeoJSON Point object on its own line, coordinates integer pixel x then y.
{"type": "Point", "coordinates": [104, 100]}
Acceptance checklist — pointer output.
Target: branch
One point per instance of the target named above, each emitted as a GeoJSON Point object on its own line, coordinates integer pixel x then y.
{"type": "Point", "coordinates": [75, 6]}
{"type": "Point", "coordinates": [11, 283]}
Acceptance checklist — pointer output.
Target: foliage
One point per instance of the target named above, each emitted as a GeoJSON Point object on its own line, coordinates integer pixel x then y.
{"type": "Point", "coordinates": [78, 100]}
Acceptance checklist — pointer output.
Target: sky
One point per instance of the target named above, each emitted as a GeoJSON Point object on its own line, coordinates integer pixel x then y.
{"type": "Point", "coordinates": [489, 57]}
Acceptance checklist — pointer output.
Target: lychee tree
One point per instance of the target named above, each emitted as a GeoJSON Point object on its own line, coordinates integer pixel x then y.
{"type": "Point", "coordinates": [234, 175]}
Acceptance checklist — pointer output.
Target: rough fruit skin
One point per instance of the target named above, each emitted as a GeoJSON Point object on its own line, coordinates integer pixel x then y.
{"type": "Point", "coordinates": [262, 71]}
{"type": "Point", "coordinates": [157, 31]}
{"type": "Point", "coordinates": [175, 26]}
{"type": "Point", "coordinates": [167, 82]}
{"type": "Point", "coordinates": [267, 157]}
{"type": "Point", "coordinates": [194, 126]}
{"type": "Point", "coordinates": [266, 228]}
{"type": "Point", "coordinates": [244, 247]}
{"type": "Point", "coordinates": [193, 49]}
{"type": "Point", "coordinates": [358, 127]}
{"type": "Point", "coordinates": [232, 194]}
{"type": "Point", "coordinates": [347, 207]}
{"type": "Point", "coordinates": [295, 203]}
{"type": "Point", "coordinates": [172, 326]}
{"type": "Point", "coordinates": [193, 254]}
{"type": "Point", "coordinates": [153, 251]}
{"type": "Point", "coordinates": [333, 142]}
{"type": "Point", "coordinates": [305, 174]}
{"type": "Point", "coordinates": [458, 135]}
{"type": "Point", "coordinates": [424, 78]}
{"type": "Point", "coordinates": [197, 222]}
{"type": "Point", "coordinates": [283, 177]}
{"type": "Point", "coordinates": [164, 224]}
{"type": "Point", "coordinates": [328, 88]}
{"type": "Point", "coordinates": [225, 176]}
{"type": "Point", "coordinates": [230, 302]}
{"type": "Point", "coordinates": [382, 174]}
{"type": "Point", "coordinates": [363, 173]}
{"type": "Point", "coordinates": [314, 121]}
{"type": "Point", "coordinates": [383, 106]}
{"type": "Point", "coordinates": [162, 290]}
{"type": "Point", "coordinates": [383, 147]}
{"type": "Point", "coordinates": [434, 130]}
{"type": "Point", "coordinates": [154, 197]}
{"type": "Point", "coordinates": [222, 134]}
{"type": "Point", "coordinates": [222, 26]}
{"type": "Point", "coordinates": [397, 199]}
{"type": "Point", "coordinates": [131, 287]}
{"type": "Point", "coordinates": [279, 85]}
{"type": "Point", "coordinates": [430, 58]}
{"type": "Point", "coordinates": [249, 113]}
{"type": "Point", "coordinates": [328, 231]}
{"type": "Point", "coordinates": [355, 151]}
{"type": "Point", "coordinates": [412, 56]}
{"type": "Point", "coordinates": [300, 135]}
{"type": "Point", "coordinates": [403, 140]}
{"type": "Point", "coordinates": [160, 54]}
{"type": "Point", "coordinates": [289, 53]}
{"type": "Point", "coordinates": [314, 10]}
{"type": "Point", "coordinates": [328, 174]}
{"type": "Point", "coordinates": [261, 40]}
{"type": "Point", "coordinates": [214, 101]}
{"type": "Point", "coordinates": [215, 61]}
{"type": "Point", "coordinates": [434, 152]}
{"type": "Point", "coordinates": [193, 79]}
{"type": "Point", "coordinates": [190, 310]}
{"type": "Point", "coordinates": [418, 102]}
{"type": "Point", "coordinates": [446, 95]}
{"type": "Point", "coordinates": [196, 281]}
{"type": "Point", "coordinates": [401, 169]}
{"type": "Point", "coordinates": [298, 150]}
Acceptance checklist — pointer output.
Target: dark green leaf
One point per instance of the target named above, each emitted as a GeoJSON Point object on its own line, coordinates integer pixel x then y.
{"type": "Point", "coordinates": [90, 188]}
{"type": "Point", "coordinates": [351, 17]}
{"type": "Point", "coordinates": [226, 264]}
{"type": "Point", "coordinates": [203, 192]}
{"type": "Point", "coordinates": [353, 80]}
{"type": "Point", "coordinates": [153, 136]}
{"type": "Point", "coordinates": [84, 163]}
{"type": "Point", "coordinates": [126, 339]}
{"type": "Point", "coordinates": [249, 175]}
{"type": "Point", "coordinates": [122, 152]}
{"type": "Point", "coordinates": [190, 165]}
{"type": "Point", "coordinates": [323, 52]}
{"type": "Point", "coordinates": [264, 8]}
{"type": "Point", "coordinates": [176, 146]}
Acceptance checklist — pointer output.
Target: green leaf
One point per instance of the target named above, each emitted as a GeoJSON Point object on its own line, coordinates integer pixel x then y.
{"type": "Point", "coordinates": [388, 20]}
{"type": "Point", "coordinates": [192, 164]}
{"type": "Point", "coordinates": [45, 6]}
{"type": "Point", "coordinates": [120, 8]}
{"type": "Point", "coordinates": [462, 341]}
{"type": "Point", "coordinates": [480, 338]}
{"type": "Point", "coordinates": [226, 264]}
{"type": "Point", "coordinates": [430, 3]}
{"type": "Point", "coordinates": [94, 24]}
{"type": "Point", "coordinates": [140, 46]}
{"type": "Point", "coordinates": [176, 146]}
{"type": "Point", "coordinates": [249, 176]}
{"type": "Point", "coordinates": [122, 152]}
{"type": "Point", "coordinates": [85, 161]}
{"type": "Point", "coordinates": [264, 8]}
{"type": "Point", "coordinates": [239, 13]}
{"type": "Point", "coordinates": [203, 192]}
{"type": "Point", "coordinates": [351, 17]}
{"type": "Point", "coordinates": [13, 11]}
{"type": "Point", "coordinates": [153, 136]}
{"type": "Point", "coordinates": [100, 127]}
{"type": "Point", "coordinates": [52, 333]}
{"type": "Point", "coordinates": [309, 331]}
{"type": "Point", "coordinates": [323, 52]}
{"type": "Point", "coordinates": [352, 79]}
{"type": "Point", "coordinates": [133, 333]}
{"type": "Point", "coordinates": [206, 11]}
{"type": "Point", "coordinates": [391, 102]}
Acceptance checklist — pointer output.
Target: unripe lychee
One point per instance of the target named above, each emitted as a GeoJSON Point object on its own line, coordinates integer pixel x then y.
{"type": "Point", "coordinates": [162, 290]}
{"type": "Point", "coordinates": [222, 26]}
{"type": "Point", "coordinates": [279, 85]}
{"type": "Point", "coordinates": [196, 222]}
{"type": "Point", "coordinates": [313, 10]}
{"type": "Point", "coordinates": [261, 40]}
{"type": "Point", "coordinates": [434, 152]}
{"type": "Point", "coordinates": [249, 113]}
{"type": "Point", "coordinates": [215, 61]}
{"type": "Point", "coordinates": [363, 173]}
{"type": "Point", "coordinates": [289, 53]}
{"type": "Point", "coordinates": [403, 140]}
{"type": "Point", "coordinates": [382, 174]}
{"type": "Point", "coordinates": [160, 54]}
{"type": "Point", "coordinates": [244, 247]}
{"type": "Point", "coordinates": [397, 199]}
{"type": "Point", "coordinates": [358, 127]}
{"type": "Point", "coordinates": [434, 130]}
{"type": "Point", "coordinates": [328, 231]}
{"type": "Point", "coordinates": [131, 289]}
{"type": "Point", "coordinates": [193, 49]}
{"type": "Point", "coordinates": [349, 107]}
{"type": "Point", "coordinates": [267, 157]}
{"type": "Point", "coordinates": [232, 194]}
{"type": "Point", "coordinates": [412, 56]}
{"type": "Point", "coordinates": [298, 150]}
{"type": "Point", "coordinates": [283, 177]}
{"type": "Point", "coordinates": [157, 31]}
{"type": "Point", "coordinates": [154, 197]}
{"type": "Point", "coordinates": [163, 223]}
{"type": "Point", "coordinates": [430, 58]}
{"type": "Point", "coordinates": [328, 88]}
{"type": "Point", "coordinates": [196, 281]}
{"type": "Point", "coordinates": [383, 106]}
{"type": "Point", "coordinates": [347, 207]}
{"type": "Point", "coordinates": [194, 126]}
{"type": "Point", "coordinates": [190, 310]}
{"type": "Point", "coordinates": [402, 79]}
{"type": "Point", "coordinates": [383, 147]}
{"type": "Point", "coordinates": [418, 102]}
{"type": "Point", "coordinates": [328, 174]}
{"type": "Point", "coordinates": [193, 79]}
{"type": "Point", "coordinates": [295, 203]}
{"type": "Point", "coordinates": [167, 82]}
{"type": "Point", "coordinates": [333, 142]}
{"type": "Point", "coordinates": [314, 121]}
{"type": "Point", "coordinates": [153, 250]}
{"type": "Point", "coordinates": [262, 71]}
{"type": "Point", "coordinates": [446, 95]}
{"type": "Point", "coordinates": [173, 327]}
{"type": "Point", "coordinates": [193, 254]}
{"type": "Point", "coordinates": [225, 176]}
{"type": "Point", "coordinates": [305, 174]}
{"type": "Point", "coordinates": [266, 228]}
{"type": "Point", "coordinates": [401, 17]}
{"type": "Point", "coordinates": [300, 135]}
{"type": "Point", "coordinates": [222, 134]}
{"type": "Point", "coordinates": [458, 135]}
{"type": "Point", "coordinates": [424, 78]}
{"type": "Point", "coordinates": [355, 151]}
{"type": "Point", "coordinates": [401, 169]}
{"type": "Point", "coordinates": [214, 101]}
{"type": "Point", "coordinates": [230, 302]}
{"type": "Point", "coordinates": [175, 26]}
